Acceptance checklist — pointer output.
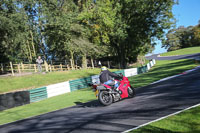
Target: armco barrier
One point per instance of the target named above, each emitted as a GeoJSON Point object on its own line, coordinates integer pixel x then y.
{"type": "Point", "coordinates": [10, 100]}
{"type": "Point", "coordinates": [58, 89]}
{"type": "Point", "coordinates": [38, 94]}
{"type": "Point", "coordinates": [14, 99]}
{"type": "Point", "coordinates": [80, 83]}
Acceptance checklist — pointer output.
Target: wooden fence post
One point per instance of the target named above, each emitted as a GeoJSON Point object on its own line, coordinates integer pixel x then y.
{"type": "Point", "coordinates": [61, 67]}
{"type": "Point", "coordinates": [46, 66]}
{"type": "Point", "coordinates": [68, 68]}
{"type": "Point", "coordinates": [11, 66]}
{"type": "Point", "coordinates": [53, 68]}
{"type": "Point", "coordinates": [35, 68]}
{"type": "Point", "coordinates": [19, 70]}
{"type": "Point", "coordinates": [50, 68]}
{"type": "Point", "coordinates": [22, 67]}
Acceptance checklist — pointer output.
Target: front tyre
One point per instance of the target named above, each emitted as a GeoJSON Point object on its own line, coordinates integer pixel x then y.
{"type": "Point", "coordinates": [105, 98]}
{"type": "Point", "coordinates": [131, 92]}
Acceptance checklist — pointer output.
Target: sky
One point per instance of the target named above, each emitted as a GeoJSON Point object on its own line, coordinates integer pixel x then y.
{"type": "Point", "coordinates": [187, 13]}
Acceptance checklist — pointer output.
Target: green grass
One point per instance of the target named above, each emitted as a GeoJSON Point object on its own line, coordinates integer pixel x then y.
{"type": "Point", "coordinates": [50, 104]}
{"type": "Point", "coordinates": [191, 50]}
{"type": "Point", "coordinates": [161, 70]}
{"type": "Point", "coordinates": [185, 122]}
{"type": "Point", "coordinates": [8, 84]}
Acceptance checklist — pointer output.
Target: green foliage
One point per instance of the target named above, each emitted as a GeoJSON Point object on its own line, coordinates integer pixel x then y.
{"type": "Point", "coordinates": [182, 37]}
{"type": "Point", "coordinates": [67, 30]}
{"type": "Point", "coordinates": [12, 30]}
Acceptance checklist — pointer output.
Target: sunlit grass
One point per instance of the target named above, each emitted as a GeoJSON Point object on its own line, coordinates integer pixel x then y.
{"type": "Point", "coordinates": [191, 50]}
{"type": "Point", "coordinates": [185, 122]}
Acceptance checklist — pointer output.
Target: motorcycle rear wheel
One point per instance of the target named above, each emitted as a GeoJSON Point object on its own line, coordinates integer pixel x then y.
{"type": "Point", "coordinates": [105, 98]}
{"type": "Point", "coordinates": [131, 92]}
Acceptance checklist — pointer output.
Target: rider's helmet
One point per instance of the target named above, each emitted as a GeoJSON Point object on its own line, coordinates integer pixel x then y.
{"type": "Point", "coordinates": [103, 68]}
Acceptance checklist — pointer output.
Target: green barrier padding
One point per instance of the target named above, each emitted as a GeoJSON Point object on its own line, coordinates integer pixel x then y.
{"type": "Point", "coordinates": [142, 69]}
{"type": "Point", "coordinates": [38, 94]}
{"type": "Point", "coordinates": [80, 83]}
{"type": "Point", "coordinates": [121, 71]}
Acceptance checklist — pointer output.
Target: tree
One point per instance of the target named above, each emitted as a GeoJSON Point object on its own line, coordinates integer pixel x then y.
{"type": "Point", "coordinates": [196, 37]}
{"type": "Point", "coordinates": [67, 30]}
{"type": "Point", "coordinates": [182, 37]}
{"type": "Point", "coordinates": [125, 31]}
{"type": "Point", "coordinates": [13, 31]}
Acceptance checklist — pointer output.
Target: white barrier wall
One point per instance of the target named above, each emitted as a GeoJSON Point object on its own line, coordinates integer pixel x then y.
{"type": "Point", "coordinates": [95, 79]}
{"type": "Point", "coordinates": [154, 61]}
{"type": "Point", "coordinates": [58, 89]}
{"type": "Point", "coordinates": [148, 66]}
{"type": "Point", "coordinates": [151, 63]}
{"type": "Point", "coordinates": [130, 72]}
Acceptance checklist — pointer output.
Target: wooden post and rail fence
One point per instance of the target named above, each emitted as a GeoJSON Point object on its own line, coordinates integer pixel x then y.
{"type": "Point", "coordinates": [20, 68]}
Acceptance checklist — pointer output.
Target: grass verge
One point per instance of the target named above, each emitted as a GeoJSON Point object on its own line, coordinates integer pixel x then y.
{"type": "Point", "coordinates": [185, 122]}
{"type": "Point", "coordinates": [161, 70]}
{"type": "Point", "coordinates": [191, 50]}
{"type": "Point", "coordinates": [8, 84]}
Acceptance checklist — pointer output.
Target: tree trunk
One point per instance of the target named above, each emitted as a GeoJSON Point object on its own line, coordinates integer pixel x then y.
{"type": "Point", "coordinates": [84, 61]}
{"type": "Point", "coordinates": [108, 64]}
{"type": "Point", "coordinates": [122, 57]}
{"type": "Point", "coordinates": [30, 54]}
{"type": "Point", "coordinates": [33, 46]}
{"type": "Point", "coordinates": [92, 62]}
{"type": "Point", "coordinates": [72, 59]}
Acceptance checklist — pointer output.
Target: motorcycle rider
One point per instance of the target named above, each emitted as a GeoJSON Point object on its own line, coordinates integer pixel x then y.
{"type": "Point", "coordinates": [106, 77]}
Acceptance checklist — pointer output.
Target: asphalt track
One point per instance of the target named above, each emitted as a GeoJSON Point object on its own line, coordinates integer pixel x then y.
{"type": "Point", "coordinates": [189, 56]}
{"type": "Point", "coordinates": [151, 102]}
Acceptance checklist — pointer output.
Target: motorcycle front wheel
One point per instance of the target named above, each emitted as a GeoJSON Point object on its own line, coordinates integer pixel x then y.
{"type": "Point", "coordinates": [105, 98]}
{"type": "Point", "coordinates": [131, 92]}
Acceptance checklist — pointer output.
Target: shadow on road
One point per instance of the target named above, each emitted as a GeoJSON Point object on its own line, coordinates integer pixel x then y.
{"type": "Point", "coordinates": [94, 103]}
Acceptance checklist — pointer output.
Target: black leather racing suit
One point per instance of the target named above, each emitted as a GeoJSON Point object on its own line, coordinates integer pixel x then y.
{"type": "Point", "coordinates": [107, 75]}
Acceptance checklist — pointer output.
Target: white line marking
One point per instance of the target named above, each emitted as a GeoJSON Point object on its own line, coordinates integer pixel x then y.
{"type": "Point", "coordinates": [170, 77]}
{"type": "Point", "coordinates": [161, 118]}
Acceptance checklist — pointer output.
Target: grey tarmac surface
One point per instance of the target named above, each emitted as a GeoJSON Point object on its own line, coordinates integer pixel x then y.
{"type": "Point", "coordinates": [157, 57]}
{"type": "Point", "coordinates": [151, 102]}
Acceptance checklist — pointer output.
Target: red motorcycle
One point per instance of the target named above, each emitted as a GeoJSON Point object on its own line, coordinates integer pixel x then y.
{"type": "Point", "coordinates": [107, 94]}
